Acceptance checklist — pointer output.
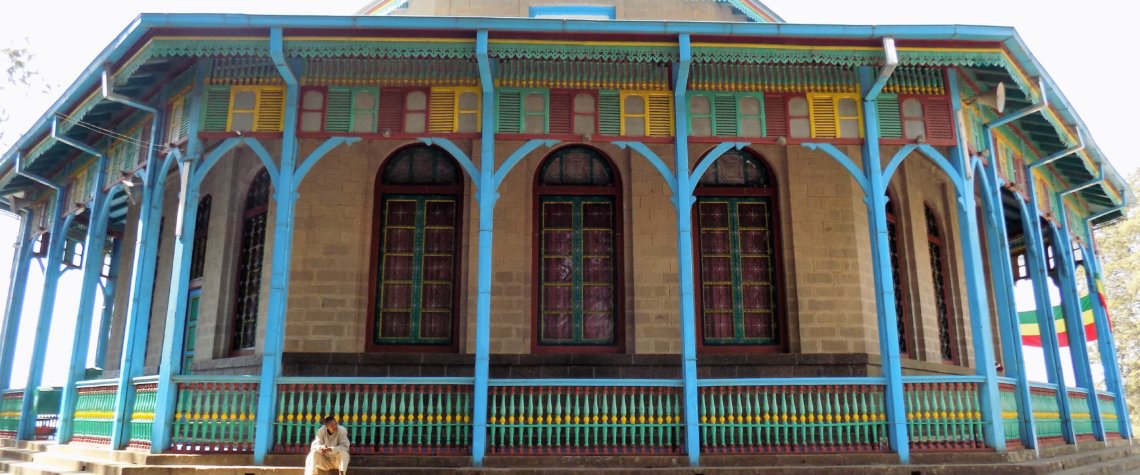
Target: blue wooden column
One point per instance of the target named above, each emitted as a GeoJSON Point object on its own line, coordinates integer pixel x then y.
{"type": "Point", "coordinates": [1001, 266]}
{"type": "Point", "coordinates": [53, 268]}
{"type": "Point", "coordinates": [875, 197]}
{"type": "Point", "coordinates": [1074, 324]}
{"type": "Point", "coordinates": [1038, 272]}
{"type": "Point", "coordinates": [284, 193]}
{"type": "Point", "coordinates": [92, 270]}
{"type": "Point", "coordinates": [1105, 339]}
{"type": "Point", "coordinates": [144, 267]}
{"type": "Point", "coordinates": [104, 334]}
{"type": "Point", "coordinates": [984, 360]}
{"type": "Point", "coordinates": [21, 264]}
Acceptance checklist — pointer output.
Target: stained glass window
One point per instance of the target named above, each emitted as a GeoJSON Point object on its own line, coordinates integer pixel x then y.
{"type": "Point", "coordinates": [578, 300]}
{"type": "Point", "coordinates": [419, 207]}
{"type": "Point", "coordinates": [941, 296]}
{"type": "Point", "coordinates": [735, 226]}
{"type": "Point", "coordinates": [250, 262]}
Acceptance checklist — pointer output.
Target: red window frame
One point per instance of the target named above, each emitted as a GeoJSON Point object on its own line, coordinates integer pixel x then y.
{"type": "Point", "coordinates": [249, 212]}
{"type": "Point", "coordinates": [380, 190]}
{"type": "Point", "coordinates": [780, 317]}
{"type": "Point", "coordinates": [201, 240]}
{"type": "Point", "coordinates": [615, 192]}
{"type": "Point", "coordinates": [323, 109]}
{"type": "Point", "coordinates": [927, 101]}
{"type": "Point", "coordinates": [902, 308]}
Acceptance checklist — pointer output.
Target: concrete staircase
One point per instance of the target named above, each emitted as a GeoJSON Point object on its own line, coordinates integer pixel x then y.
{"type": "Point", "coordinates": [45, 458]}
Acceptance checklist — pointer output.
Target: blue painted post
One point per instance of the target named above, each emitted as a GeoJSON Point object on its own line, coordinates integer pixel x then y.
{"type": "Point", "coordinates": [144, 267]}
{"type": "Point", "coordinates": [976, 288]}
{"type": "Point", "coordinates": [1001, 266]}
{"type": "Point", "coordinates": [487, 198]}
{"type": "Point", "coordinates": [683, 202]}
{"type": "Point", "coordinates": [1074, 324]}
{"type": "Point", "coordinates": [286, 197]}
{"type": "Point", "coordinates": [876, 200]}
{"type": "Point", "coordinates": [1038, 272]}
{"type": "Point", "coordinates": [92, 268]}
{"type": "Point", "coordinates": [1105, 339]}
{"type": "Point", "coordinates": [104, 335]}
{"type": "Point", "coordinates": [21, 264]}
{"type": "Point", "coordinates": [53, 268]}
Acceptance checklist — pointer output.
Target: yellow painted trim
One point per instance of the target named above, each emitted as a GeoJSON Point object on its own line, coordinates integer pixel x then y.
{"type": "Point", "coordinates": [257, 91]}
{"type": "Point", "coordinates": [834, 98]}
{"type": "Point", "coordinates": [455, 111]}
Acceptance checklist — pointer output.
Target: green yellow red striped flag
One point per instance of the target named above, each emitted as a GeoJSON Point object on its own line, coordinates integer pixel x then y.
{"type": "Point", "coordinates": [1031, 332]}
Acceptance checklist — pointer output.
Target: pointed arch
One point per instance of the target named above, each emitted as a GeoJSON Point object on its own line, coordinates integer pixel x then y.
{"type": "Point", "coordinates": [251, 260]}
{"type": "Point", "coordinates": [940, 276]}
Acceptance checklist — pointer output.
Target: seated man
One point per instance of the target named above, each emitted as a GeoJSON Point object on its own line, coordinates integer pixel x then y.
{"type": "Point", "coordinates": [329, 450]}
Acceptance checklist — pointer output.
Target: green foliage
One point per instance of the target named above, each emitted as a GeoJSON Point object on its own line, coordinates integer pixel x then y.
{"type": "Point", "coordinates": [1119, 248]}
{"type": "Point", "coordinates": [14, 63]}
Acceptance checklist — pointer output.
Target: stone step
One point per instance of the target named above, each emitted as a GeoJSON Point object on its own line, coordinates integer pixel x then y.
{"type": "Point", "coordinates": [21, 455]}
{"type": "Point", "coordinates": [32, 468]}
{"type": "Point", "coordinates": [77, 462]}
{"type": "Point", "coordinates": [1108, 467]}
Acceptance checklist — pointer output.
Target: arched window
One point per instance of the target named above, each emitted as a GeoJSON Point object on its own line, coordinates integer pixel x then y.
{"type": "Point", "coordinates": [938, 272]}
{"type": "Point", "coordinates": [250, 262]}
{"type": "Point", "coordinates": [902, 315]}
{"type": "Point", "coordinates": [739, 293]}
{"type": "Point", "coordinates": [416, 250]}
{"type": "Point", "coordinates": [201, 231]}
{"type": "Point", "coordinates": [578, 253]}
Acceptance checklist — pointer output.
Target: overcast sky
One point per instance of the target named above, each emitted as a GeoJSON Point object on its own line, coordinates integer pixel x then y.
{"type": "Point", "coordinates": [1088, 48]}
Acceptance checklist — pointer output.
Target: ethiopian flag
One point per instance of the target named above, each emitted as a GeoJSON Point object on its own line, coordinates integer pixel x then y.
{"type": "Point", "coordinates": [1031, 332]}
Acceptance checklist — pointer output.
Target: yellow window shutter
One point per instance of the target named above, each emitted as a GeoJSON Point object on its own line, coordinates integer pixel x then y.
{"type": "Point", "coordinates": [660, 115]}
{"type": "Point", "coordinates": [823, 123]}
{"type": "Point", "coordinates": [271, 110]}
{"type": "Point", "coordinates": [441, 117]}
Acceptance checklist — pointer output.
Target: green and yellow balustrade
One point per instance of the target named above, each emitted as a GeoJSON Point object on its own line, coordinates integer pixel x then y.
{"type": "Point", "coordinates": [1046, 413]}
{"type": "Point", "coordinates": [1007, 390]}
{"type": "Point", "coordinates": [1079, 408]}
{"type": "Point", "coordinates": [10, 402]}
{"type": "Point", "coordinates": [215, 414]}
{"type": "Point", "coordinates": [382, 415]}
{"type": "Point", "coordinates": [1108, 414]}
{"type": "Point", "coordinates": [94, 412]}
{"type": "Point", "coordinates": [584, 417]}
{"type": "Point", "coordinates": [142, 413]}
{"type": "Point", "coordinates": [943, 412]}
{"type": "Point", "coordinates": [779, 416]}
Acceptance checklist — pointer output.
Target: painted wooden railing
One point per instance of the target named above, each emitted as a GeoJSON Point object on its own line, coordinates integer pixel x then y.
{"type": "Point", "coordinates": [94, 412]}
{"type": "Point", "coordinates": [382, 415]}
{"type": "Point", "coordinates": [10, 401]}
{"type": "Point", "coordinates": [583, 417]}
{"type": "Point", "coordinates": [943, 412]}
{"type": "Point", "coordinates": [792, 415]}
{"type": "Point", "coordinates": [1046, 412]}
{"type": "Point", "coordinates": [1007, 390]}
{"type": "Point", "coordinates": [142, 413]}
{"type": "Point", "coordinates": [214, 414]}
{"type": "Point", "coordinates": [1108, 413]}
{"type": "Point", "coordinates": [1082, 417]}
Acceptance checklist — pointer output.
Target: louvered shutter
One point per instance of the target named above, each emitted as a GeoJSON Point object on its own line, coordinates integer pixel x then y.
{"type": "Point", "coordinates": [184, 124]}
{"type": "Point", "coordinates": [141, 148]}
{"type": "Point", "coordinates": [939, 120]}
{"type": "Point", "coordinates": [561, 115]}
{"type": "Point", "coordinates": [724, 116]}
{"type": "Point", "coordinates": [441, 117]}
{"type": "Point", "coordinates": [391, 112]}
{"type": "Point", "coordinates": [890, 119]}
{"type": "Point", "coordinates": [660, 111]}
{"type": "Point", "coordinates": [217, 109]}
{"type": "Point", "coordinates": [338, 112]}
{"type": "Point", "coordinates": [823, 116]}
{"type": "Point", "coordinates": [609, 113]}
{"type": "Point", "coordinates": [510, 112]}
{"type": "Point", "coordinates": [271, 110]}
{"type": "Point", "coordinates": [775, 116]}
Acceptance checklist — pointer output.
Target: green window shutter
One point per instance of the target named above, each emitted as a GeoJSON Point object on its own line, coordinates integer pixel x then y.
{"type": "Point", "coordinates": [184, 123]}
{"type": "Point", "coordinates": [609, 112]}
{"type": "Point", "coordinates": [724, 115]}
{"type": "Point", "coordinates": [338, 114]}
{"type": "Point", "coordinates": [509, 119]}
{"type": "Point", "coordinates": [890, 120]}
{"type": "Point", "coordinates": [217, 109]}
